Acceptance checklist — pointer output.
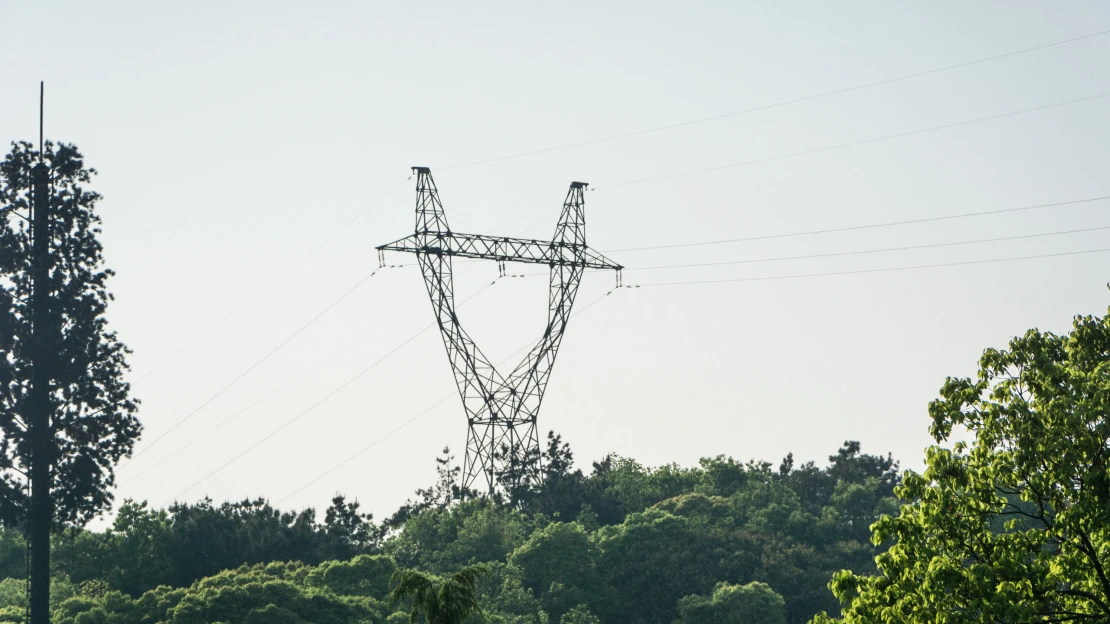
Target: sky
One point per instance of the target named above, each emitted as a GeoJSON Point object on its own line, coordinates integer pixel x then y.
{"type": "Point", "coordinates": [251, 155]}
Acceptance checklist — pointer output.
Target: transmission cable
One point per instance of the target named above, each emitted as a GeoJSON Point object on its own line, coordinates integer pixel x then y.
{"type": "Point", "coordinates": [318, 316]}
{"type": "Point", "coordinates": [255, 365]}
{"type": "Point", "coordinates": [864, 227]}
{"type": "Point", "coordinates": [777, 104]}
{"type": "Point", "coordinates": [304, 372]}
{"type": "Point", "coordinates": [886, 137]}
{"type": "Point", "coordinates": [417, 416]}
{"type": "Point", "coordinates": [327, 240]}
{"type": "Point", "coordinates": [275, 390]}
{"type": "Point", "coordinates": [862, 271]}
{"type": "Point", "coordinates": [289, 381]}
{"type": "Point", "coordinates": [269, 284]}
{"type": "Point", "coordinates": [327, 396]}
{"type": "Point", "coordinates": [869, 251]}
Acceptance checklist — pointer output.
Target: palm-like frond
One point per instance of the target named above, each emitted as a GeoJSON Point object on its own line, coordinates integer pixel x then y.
{"type": "Point", "coordinates": [454, 602]}
{"type": "Point", "coordinates": [412, 584]}
{"type": "Point", "coordinates": [458, 597]}
{"type": "Point", "coordinates": [468, 577]}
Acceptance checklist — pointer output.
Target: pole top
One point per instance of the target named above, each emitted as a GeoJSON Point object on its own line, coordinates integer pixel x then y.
{"type": "Point", "coordinates": [422, 169]}
{"type": "Point", "coordinates": [42, 99]}
{"type": "Point", "coordinates": [578, 185]}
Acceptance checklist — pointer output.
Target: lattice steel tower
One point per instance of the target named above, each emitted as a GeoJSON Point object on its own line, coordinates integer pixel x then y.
{"type": "Point", "coordinates": [501, 410]}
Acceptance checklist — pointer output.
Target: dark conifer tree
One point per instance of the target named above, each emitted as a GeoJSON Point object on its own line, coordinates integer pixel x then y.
{"type": "Point", "coordinates": [61, 368]}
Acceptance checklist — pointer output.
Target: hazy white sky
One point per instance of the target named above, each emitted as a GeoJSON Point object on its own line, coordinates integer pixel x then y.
{"type": "Point", "coordinates": [233, 138]}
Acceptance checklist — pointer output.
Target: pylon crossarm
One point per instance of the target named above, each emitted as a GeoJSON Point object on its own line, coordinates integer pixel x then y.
{"type": "Point", "coordinates": [501, 248]}
{"type": "Point", "coordinates": [503, 440]}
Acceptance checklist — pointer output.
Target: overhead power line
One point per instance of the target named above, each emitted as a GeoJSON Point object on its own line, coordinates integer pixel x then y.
{"type": "Point", "coordinates": [419, 414]}
{"type": "Point", "coordinates": [299, 415]}
{"type": "Point", "coordinates": [828, 148]}
{"type": "Point", "coordinates": [255, 365]}
{"type": "Point", "coordinates": [862, 271]}
{"type": "Point", "coordinates": [816, 96]}
{"type": "Point", "coordinates": [798, 100]}
{"type": "Point", "coordinates": [303, 372]}
{"type": "Point", "coordinates": [868, 226]}
{"type": "Point", "coordinates": [871, 251]}
{"type": "Point", "coordinates": [359, 216]}
{"type": "Point", "coordinates": [649, 285]}
{"type": "Point", "coordinates": [278, 278]}
{"type": "Point", "coordinates": [765, 237]}
{"type": "Point", "coordinates": [367, 447]}
{"type": "Point", "coordinates": [267, 285]}
{"type": "Point", "coordinates": [275, 390]}
{"type": "Point", "coordinates": [319, 402]}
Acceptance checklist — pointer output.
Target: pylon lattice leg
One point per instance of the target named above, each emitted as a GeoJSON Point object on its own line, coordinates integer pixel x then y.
{"type": "Point", "coordinates": [503, 439]}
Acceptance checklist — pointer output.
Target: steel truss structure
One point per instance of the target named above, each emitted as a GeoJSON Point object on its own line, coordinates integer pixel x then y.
{"type": "Point", "coordinates": [501, 410]}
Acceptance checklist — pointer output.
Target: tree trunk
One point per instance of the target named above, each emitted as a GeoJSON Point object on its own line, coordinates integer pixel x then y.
{"type": "Point", "coordinates": [38, 418]}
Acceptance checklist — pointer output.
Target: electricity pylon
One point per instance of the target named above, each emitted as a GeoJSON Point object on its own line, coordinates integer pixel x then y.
{"type": "Point", "coordinates": [501, 410]}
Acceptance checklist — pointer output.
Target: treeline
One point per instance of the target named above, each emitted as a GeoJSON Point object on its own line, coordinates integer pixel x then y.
{"type": "Point", "coordinates": [623, 543]}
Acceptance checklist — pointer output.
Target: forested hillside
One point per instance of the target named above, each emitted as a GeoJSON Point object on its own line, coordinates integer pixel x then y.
{"type": "Point", "coordinates": [621, 543]}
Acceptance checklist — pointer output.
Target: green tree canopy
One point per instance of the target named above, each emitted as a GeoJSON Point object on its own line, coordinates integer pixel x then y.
{"type": "Point", "coordinates": [66, 412]}
{"type": "Point", "coordinates": [275, 593]}
{"type": "Point", "coordinates": [559, 564]}
{"type": "Point", "coordinates": [722, 520]}
{"type": "Point", "coordinates": [441, 601]}
{"type": "Point", "coordinates": [365, 575]}
{"type": "Point", "coordinates": [1013, 525]}
{"type": "Point", "coordinates": [579, 615]}
{"type": "Point", "coordinates": [349, 531]}
{"type": "Point", "coordinates": [92, 422]}
{"type": "Point", "coordinates": [654, 558]}
{"type": "Point", "coordinates": [754, 603]}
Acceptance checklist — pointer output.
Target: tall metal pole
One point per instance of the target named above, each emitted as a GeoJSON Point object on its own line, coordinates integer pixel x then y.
{"type": "Point", "coordinates": [42, 103]}
{"type": "Point", "coordinates": [39, 426]}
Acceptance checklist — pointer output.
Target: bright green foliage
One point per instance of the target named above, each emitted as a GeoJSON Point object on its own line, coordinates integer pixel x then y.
{"type": "Point", "coordinates": [858, 506]}
{"type": "Point", "coordinates": [754, 603]}
{"type": "Point", "coordinates": [273, 593]}
{"type": "Point", "coordinates": [721, 476]}
{"type": "Point", "coordinates": [713, 510]}
{"type": "Point", "coordinates": [1015, 525]}
{"type": "Point", "coordinates": [579, 615]}
{"type": "Point", "coordinates": [559, 563]}
{"type": "Point", "coordinates": [270, 601]}
{"type": "Point", "coordinates": [654, 558]}
{"type": "Point", "coordinates": [489, 534]}
{"type": "Point", "coordinates": [13, 592]}
{"type": "Point", "coordinates": [146, 548]}
{"type": "Point", "coordinates": [440, 601]}
{"type": "Point", "coordinates": [645, 537]}
{"type": "Point", "coordinates": [140, 544]}
{"type": "Point", "coordinates": [365, 575]}
{"type": "Point", "coordinates": [13, 597]}
{"type": "Point", "coordinates": [474, 531]}
{"type": "Point", "coordinates": [505, 599]}
{"type": "Point", "coordinates": [623, 544]}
